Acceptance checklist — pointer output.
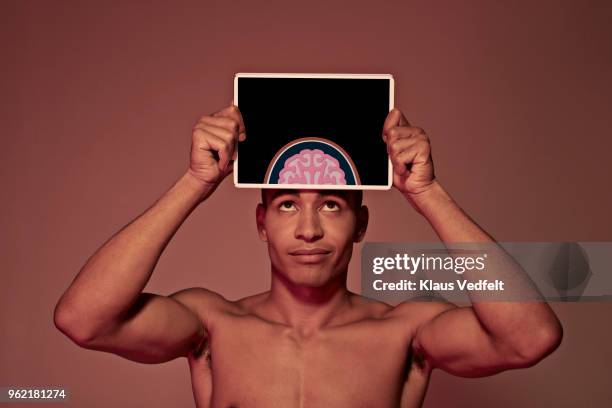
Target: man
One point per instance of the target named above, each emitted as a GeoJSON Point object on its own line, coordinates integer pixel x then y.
{"type": "Point", "coordinates": [308, 341]}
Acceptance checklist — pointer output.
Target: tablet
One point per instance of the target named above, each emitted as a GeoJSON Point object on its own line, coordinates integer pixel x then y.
{"type": "Point", "coordinates": [313, 131]}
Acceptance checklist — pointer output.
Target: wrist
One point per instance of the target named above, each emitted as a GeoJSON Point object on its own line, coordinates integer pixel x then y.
{"type": "Point", "coordinates": [201, 188]}
{"type": "Point", "coordinates": [427, 198]}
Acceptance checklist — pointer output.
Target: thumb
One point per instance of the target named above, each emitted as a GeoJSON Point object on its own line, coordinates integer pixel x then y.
{"type": "Point", "coordinates": [224, 112]}
{"type": "Point", "coordinates": [229, 168]}
{"type": "Point", "coordinates": [392, 120]}
{"type": "Point", "coordinates": [402, 119]}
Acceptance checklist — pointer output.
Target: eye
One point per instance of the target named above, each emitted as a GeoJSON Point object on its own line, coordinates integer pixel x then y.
{"type": "Point", "coordinates": [287, 206]}
{"type": "Point", "coordinates": [331, 206]}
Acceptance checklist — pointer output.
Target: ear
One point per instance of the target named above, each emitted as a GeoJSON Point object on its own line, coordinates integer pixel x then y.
{"type": "Point", "coordinates": [363, 215]}
{"type": "Point", "coordinates": [260, 217]}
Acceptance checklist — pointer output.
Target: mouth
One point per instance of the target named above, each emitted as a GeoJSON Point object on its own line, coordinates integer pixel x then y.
{"type": "Point", "coordinates": [310, 255]}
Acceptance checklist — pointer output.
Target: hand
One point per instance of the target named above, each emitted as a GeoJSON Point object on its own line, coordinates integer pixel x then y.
{"type": "Point", "coordinates": [213, 145]}
{"type": "Point", "coordinates": [410, 153]}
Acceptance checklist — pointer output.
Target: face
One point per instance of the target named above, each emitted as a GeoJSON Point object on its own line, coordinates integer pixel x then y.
{"type": "Point", "coordinates": [310, 233]}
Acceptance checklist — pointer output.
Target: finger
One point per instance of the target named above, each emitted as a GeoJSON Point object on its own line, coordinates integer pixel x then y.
{"type": "Point", "coordinates": [208, 141]}
{"type": "Point", "coordinates": [399, 180]}
{"type": "Point", "coordinates": [403, 132]}
{"type": "Point", "coordinates": [229, 169]}
{"type": "Point", "coordinates": [405, 160]}
{"type": "Point", "coordinates": [399, 145]}
{"type": "Point", "coordinates": [224, 112]}
{"type": "Point", "coordinates": [402, 119]}
{"type": "Point", "coordinates": [235, 152]}
{"type": "Point", "coordinates": [234, 113]}
{"type": "Point", "coordinates": [224, 122]}
{"type": "Point", "coordinates": [237, 115]}
{"type": "Point", "coordinates": [402, 160]}
{"type": "Point", "coordinates": [229, 138]}
{"type": "Point", "coordinates": [222, 132]}
{"type": "Point", "coordinates": [402, 163]}
{"type": "Point", "coordinates": [391, 121]}
{"type": "Point", "coordinates": [394, 119]}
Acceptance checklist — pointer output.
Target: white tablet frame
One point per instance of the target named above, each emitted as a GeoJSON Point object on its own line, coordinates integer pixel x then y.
{"type": "Point", "coordinates": [318, 75]}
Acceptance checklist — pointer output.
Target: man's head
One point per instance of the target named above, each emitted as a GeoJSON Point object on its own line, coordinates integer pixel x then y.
{"type": "Point", "coordinates": [310, 233]}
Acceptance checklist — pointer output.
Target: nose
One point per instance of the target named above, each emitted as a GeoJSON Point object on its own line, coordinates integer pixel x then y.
{"type": "Point", "coordinates": [308, 227]}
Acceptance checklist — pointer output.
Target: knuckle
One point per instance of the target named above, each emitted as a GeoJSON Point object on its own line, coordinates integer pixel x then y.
{"type": "Point", "coordinates": [424, 146]}
{"type": "Point", "coordinates": [226, 145]}
{"type": "Point", "coordinates": [232, 124]}
{"type": "Point", "coordinates": [394, 148]}
{"type": "Point", "coordinates": [397, 165]}
{"type": "Point", "coordinates": [402, 156]}
{"type": "Point", "coordinates": [197, 132]}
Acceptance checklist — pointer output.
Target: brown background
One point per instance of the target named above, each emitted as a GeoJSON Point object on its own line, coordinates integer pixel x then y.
{"type": "Point", "coordinates": [98, 100]}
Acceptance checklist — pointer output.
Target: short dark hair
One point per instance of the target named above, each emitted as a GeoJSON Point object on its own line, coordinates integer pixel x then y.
{"type": "Point", "coordinates": [354, 197]}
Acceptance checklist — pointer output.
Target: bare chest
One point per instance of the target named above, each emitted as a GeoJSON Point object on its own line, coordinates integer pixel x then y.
{"type": "Point", "coordinates": [257, 364]}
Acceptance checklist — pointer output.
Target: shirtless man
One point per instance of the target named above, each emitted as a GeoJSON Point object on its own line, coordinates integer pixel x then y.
{"type": "Point", "coordinates": [308, 341]}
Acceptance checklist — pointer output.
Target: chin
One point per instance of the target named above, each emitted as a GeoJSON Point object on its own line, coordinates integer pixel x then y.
{"type": "Point", "coordinates": [309, 275]}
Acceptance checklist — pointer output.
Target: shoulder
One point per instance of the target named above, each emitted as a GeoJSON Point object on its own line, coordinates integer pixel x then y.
{"type": "Point", "coordinates": [201, 301]}
{"type": "Point", "coordinates": [421, 310]}
{"type": "Point", "coordinates": [208, 303]}
{"type": "Point", "coordinates": [424, 309]}
{"type": "Point", "coordinates": [415, 310]}
{"type": "Point", "coordinates": [404, 320]}
{"type": "Point", "coordinates": [419, 313]}
{"type": "Point", "coordinates": [370, 308]}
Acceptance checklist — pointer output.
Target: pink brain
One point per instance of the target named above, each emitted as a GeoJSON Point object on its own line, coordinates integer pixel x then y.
{"type": "Point", "coordinates": [311, 167]}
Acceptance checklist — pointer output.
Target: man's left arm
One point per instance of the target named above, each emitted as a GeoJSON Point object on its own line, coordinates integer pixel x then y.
{"type": "Point", "coordinates": [489, 336]}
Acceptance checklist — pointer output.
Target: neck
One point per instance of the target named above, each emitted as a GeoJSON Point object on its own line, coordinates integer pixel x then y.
{"type": "Point", "coordinates": [307, 308]}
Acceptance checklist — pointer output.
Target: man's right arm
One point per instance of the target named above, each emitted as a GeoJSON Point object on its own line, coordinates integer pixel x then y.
{"type": "Point", "coordinates": [105, 309]}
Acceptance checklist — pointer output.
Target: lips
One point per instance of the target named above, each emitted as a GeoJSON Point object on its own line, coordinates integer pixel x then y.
{"type": "Point", "coordinates": [310, 255]}
{"type": "Point", "coordinates": [310, 251]}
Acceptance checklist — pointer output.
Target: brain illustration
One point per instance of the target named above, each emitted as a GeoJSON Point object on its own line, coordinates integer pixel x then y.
{"type": "Point", "coordinates": [311, 167]}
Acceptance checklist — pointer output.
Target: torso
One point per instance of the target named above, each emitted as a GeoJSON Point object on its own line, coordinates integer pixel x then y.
{"type": "Point", "coordinates": [366, 361]}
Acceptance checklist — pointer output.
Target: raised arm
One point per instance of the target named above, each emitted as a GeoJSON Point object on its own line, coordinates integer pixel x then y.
{"type": "Point", "coordinates": [105, 309]}
{"type": "Point", "coordinates": [489, 336]}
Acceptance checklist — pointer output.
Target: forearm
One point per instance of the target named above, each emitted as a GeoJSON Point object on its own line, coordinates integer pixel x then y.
{"type": "Point", "coordinates": [447, 219]}
{"type": "Point", "coordinates": [526, 322]}
{"type": "Point", "coordinates": [113, 278]}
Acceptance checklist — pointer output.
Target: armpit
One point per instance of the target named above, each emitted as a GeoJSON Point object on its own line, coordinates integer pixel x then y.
{"type": "Point", "coordinates": [417, 359]}
{"type": "Point", "coordinates": [202, 350]}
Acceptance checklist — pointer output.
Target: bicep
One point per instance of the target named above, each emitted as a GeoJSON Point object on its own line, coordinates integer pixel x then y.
{"type": "Point", "coordinates": [157, 329]}
{"type": "Point", "coordinates": [455, 341]}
